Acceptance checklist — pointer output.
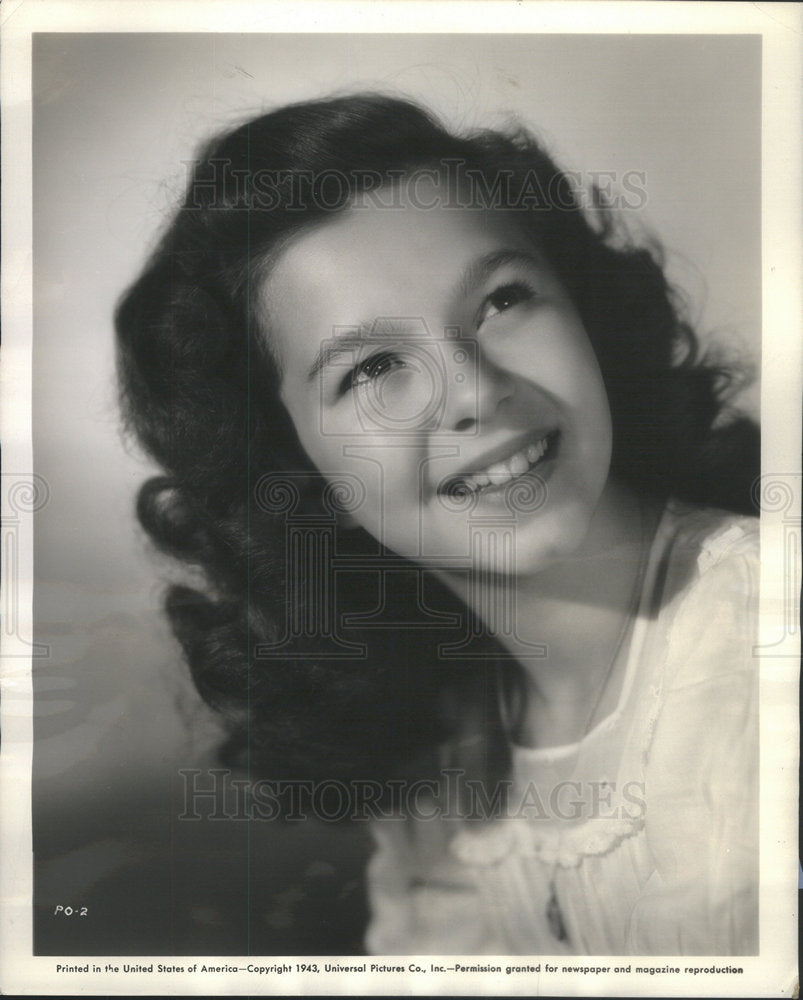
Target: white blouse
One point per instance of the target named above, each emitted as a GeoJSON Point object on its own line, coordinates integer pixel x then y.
{"type": "Point", "coordinates": [643, 836]}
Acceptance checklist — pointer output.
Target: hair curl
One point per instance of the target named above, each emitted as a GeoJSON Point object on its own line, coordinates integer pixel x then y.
{"type": "Point", "coordinates": [200, 391]}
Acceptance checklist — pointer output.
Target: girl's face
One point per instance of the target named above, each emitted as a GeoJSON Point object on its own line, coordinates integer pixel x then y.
{"type": "Point", "coordinates": [432, 361]}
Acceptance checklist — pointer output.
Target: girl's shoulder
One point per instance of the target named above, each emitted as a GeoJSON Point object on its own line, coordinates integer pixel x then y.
{"type": "Point", "coordinates": [706, 591]}
{"type": "Point", "coordinates": [708, 534]}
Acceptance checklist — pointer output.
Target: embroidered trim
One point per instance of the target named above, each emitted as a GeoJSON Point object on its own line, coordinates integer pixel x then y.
{"type": "Point", "coordinates": [715, 547]}
{"type": "Point", "coordinates": [566, 848]}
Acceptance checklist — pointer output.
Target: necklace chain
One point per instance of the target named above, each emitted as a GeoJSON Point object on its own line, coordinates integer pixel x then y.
{"type": "Point", "coordinates": [553, 911]}
{"type": "Point", "coordinates": [627, 621]}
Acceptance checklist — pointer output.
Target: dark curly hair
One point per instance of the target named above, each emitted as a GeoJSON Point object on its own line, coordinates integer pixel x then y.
{"type": "Point", "coordinates": [200, 391]}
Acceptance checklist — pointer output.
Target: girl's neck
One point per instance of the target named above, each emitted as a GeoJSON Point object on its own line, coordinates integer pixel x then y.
{"type": "Point", "coordinates": [579, 613]}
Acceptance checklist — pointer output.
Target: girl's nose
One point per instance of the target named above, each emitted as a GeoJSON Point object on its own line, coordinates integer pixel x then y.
{"type": "Point", "coordinates": [475, 389]}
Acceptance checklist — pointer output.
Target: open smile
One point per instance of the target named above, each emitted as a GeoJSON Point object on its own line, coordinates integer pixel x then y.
{"type": "Point", "coordinates": [499, 473]}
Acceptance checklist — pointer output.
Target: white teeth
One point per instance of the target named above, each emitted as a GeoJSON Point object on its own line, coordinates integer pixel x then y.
{"type": "Point", "coordinates": [502, 472]}
{"type": "Point", "coordinates": [498, 473]}
{"type": "Point", "coordinates": [518, 464]}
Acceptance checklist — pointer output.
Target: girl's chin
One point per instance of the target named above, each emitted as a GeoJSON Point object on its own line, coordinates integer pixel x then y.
{"type": "Point", "coordinates": [510, 546]}
{"type": "Point", "coordinates": [551, 536]}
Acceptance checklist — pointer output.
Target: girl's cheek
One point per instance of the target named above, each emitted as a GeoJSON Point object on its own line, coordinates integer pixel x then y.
{"type": "Point", "coordinates": [564, 347]}
{"type": "Point", "coordinates": [392, 403]}
{"type": "Point", "coordinates": [544, 353]}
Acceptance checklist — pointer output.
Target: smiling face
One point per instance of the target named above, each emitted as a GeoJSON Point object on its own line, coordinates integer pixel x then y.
{"type": "Point", "coordinates": [433, 355]}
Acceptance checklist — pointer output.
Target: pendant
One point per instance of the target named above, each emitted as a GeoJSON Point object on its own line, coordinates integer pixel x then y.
{"type": "Point", "coordinates": [554, 916]}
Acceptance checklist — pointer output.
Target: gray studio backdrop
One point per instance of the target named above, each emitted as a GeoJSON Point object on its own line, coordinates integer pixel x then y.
{"type": "Point", "coordinates": [115, 118]}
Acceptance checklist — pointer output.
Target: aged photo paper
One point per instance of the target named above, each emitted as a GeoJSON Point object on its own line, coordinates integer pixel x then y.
{"type": "Point", "coordinates": [134, 857]}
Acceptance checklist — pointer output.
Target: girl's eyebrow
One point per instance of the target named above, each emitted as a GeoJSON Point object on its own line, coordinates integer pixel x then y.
{"type": "Point", "coordinates": [475, 273]}
{"type": "Point", "coordinates": [481, 269]}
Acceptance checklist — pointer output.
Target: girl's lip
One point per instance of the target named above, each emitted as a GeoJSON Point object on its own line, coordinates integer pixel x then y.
{"type": "Point", "coordinates": [465, 483]}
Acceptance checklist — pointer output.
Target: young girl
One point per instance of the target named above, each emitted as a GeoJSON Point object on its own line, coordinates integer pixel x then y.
{"type": "Point", "coordinates": [456, 480]}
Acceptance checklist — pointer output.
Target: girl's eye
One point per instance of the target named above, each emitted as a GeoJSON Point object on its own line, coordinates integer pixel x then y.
{"type": "Point", "coordinates": [371, 369]}
{"type": "Point", "coordinates": [505, 297]}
